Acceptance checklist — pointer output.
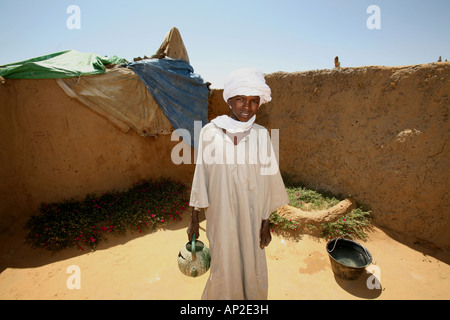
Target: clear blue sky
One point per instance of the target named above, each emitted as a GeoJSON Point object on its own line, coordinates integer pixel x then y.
{"type": "Point", "coordinates": [220, 36]}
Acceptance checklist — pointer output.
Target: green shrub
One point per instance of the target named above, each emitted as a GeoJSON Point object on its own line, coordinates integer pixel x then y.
{"type": "Point", "coordinates": [146, 206]}
{"type": "Point", "coordinates": [353, 223]}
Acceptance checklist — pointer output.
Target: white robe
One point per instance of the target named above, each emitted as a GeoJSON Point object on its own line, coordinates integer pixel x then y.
{"type": "Point", "coordinates": [237, 196]}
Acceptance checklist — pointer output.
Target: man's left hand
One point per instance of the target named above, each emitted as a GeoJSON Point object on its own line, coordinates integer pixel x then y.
{"type": "Point", "coordinates": [265, 236]}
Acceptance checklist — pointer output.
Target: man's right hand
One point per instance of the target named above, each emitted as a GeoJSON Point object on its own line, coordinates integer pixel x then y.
{"type": "Point", "coordinates": [194, 226]}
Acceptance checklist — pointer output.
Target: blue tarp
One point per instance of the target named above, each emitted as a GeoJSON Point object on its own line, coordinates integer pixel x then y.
{"type": "Point", "coordinates": [180, 93]}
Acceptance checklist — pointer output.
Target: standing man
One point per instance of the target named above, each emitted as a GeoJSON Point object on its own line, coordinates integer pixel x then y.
{"type": "Point", "coordinates": [238, 184]}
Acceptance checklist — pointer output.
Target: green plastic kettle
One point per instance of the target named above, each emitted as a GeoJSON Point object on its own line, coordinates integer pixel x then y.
{"type": "Point", "coordinates": [194, 258]}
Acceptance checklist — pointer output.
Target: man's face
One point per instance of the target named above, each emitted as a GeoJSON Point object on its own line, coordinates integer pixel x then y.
{"type": "Point", "coordinates": [243, 107]}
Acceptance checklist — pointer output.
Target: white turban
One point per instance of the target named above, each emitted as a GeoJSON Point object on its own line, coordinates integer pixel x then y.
{"type": "Point", "coordinates": [247, 82]}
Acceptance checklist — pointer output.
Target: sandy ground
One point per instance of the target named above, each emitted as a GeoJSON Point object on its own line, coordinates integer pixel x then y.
{"type": "Point", "coordinates": [145, 267]}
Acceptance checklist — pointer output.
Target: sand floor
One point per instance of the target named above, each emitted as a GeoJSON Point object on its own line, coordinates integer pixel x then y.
{"type": "Point", "coordinates": [145, 267]}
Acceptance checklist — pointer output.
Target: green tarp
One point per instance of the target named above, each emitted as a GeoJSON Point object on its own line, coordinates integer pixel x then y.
{"type": "Point", "coordinates": [64, 64]}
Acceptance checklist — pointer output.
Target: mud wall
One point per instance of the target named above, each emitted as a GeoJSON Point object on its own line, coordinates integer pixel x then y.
{"type": "Point", "coordinates": [53, 149]}
{"type": "Point", "coordinates": [380, 134]}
